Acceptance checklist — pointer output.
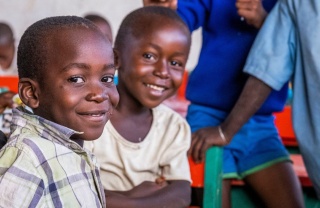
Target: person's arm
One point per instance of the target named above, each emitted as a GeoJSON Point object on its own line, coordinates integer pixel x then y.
{"type": "Point", "coordinates": [175, 194]}
{"type": "Point", "coordinates": [251, 99]}
{"type": "Point", "coordinates": [252, 12]}
{"type": "Point", "coordinates": [172, 4]}
{"type": "Point", "coordinates": [253, 95]}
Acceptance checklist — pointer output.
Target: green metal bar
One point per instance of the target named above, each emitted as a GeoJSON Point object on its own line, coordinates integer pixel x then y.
{"type": "Point", "coordinates": [212, 195]}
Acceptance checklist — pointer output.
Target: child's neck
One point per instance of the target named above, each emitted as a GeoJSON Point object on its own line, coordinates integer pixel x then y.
{"type": "Point", "coordinates": [132, 124]}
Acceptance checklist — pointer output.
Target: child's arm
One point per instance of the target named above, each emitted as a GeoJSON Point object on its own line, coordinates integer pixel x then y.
{"type": "Point", "coordinates": [174, 194]}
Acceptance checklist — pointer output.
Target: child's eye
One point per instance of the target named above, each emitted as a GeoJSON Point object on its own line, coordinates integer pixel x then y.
{"type": "Point", "coordinates": [76, 79]}
{"type": "Point", "coordinates": [107, 79]}
{"type": "Point", "coordinates": [176, 63]}
{"type": "Point", "coordinates": [148, 56]}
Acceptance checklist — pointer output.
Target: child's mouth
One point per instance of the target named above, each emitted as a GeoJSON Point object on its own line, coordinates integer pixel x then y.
{"type": "Point", "coordinates": [158, 88]}
{"type": "Point", "coordinates": [96, 116]}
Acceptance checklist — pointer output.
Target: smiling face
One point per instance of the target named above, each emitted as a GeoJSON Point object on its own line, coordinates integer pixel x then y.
{"type": "Point", "coordinates": [77, 90]}
{"type": "Point", "coordinates": [151, 66]}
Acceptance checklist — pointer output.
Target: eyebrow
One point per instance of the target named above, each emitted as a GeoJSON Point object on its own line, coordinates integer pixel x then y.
{"type": "Point", "coordinates": [85, 66]}
{"type": "Point", "coordinates": [159, 48]}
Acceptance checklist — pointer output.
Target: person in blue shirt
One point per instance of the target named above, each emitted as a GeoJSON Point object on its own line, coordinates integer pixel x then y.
{"type": "Point", "coordinates": [256, 153]}
{"type": "Point", "coordinates": [287, 48]}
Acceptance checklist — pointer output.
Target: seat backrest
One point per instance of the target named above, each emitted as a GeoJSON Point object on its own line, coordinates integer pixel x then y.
{"type": "Point", "coordinates": [10, 82]}
{"type": "Point", "coordinates": [284, 124]}
{"type": "Point", "coordinates": [208, 176]}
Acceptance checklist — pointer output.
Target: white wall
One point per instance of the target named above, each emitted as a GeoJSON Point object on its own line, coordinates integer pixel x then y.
{"type": "Point", "coordinates": [22, 13]}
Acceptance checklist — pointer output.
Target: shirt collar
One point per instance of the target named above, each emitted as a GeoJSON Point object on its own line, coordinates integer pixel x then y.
{"type": "Point", "coordinates": [60, 134]}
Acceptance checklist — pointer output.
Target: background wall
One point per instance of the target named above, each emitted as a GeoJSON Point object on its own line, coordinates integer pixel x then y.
{"type": "Point", "coordinates": [22, 13]}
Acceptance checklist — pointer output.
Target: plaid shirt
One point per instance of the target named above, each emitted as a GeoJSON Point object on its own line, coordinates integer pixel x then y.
{"type": "Point", "coordinates": [41, 167]}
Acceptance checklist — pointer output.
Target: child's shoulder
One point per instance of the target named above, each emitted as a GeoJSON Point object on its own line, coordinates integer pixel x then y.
{"type": "Point", "coordinates": [33, 148]}
{"type": "Point", "coordinates": [163, 113]}
{"type": "Point", "coordinates": [167, 111]}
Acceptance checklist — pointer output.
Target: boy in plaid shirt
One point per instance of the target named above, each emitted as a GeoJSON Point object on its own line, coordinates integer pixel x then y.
{"type": "Point", "coordinates": [66, 70]}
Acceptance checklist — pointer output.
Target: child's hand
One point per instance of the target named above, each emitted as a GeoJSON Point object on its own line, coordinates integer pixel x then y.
{"type": "Point", "coordinates": [202, 140]}
{"type": "Point", "coordinates": [16, 101]}
{"type": "Point", "coordinates": [172, 4]}
{"type": "Point", "coordinates": [161, 181]}
{"type": "Point", "coordinates": [6, 100]}
{"type": "Point", "coordinates": [252, 11]}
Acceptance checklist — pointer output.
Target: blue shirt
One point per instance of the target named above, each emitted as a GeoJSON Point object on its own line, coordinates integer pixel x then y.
{"type": "Point", "coordinates": [217, 80]}
{"type": "Point", "coordinates": [287, 47]}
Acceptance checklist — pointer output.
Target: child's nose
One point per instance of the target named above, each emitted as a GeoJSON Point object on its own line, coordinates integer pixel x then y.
{"type": "Point", "coordinates": [97, 93]}
{"type": "Point", "coordinates": [162, 70]}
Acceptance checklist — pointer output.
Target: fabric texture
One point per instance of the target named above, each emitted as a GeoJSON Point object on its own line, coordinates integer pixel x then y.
{"type": "Point", "coordinates": [287, 47]}
{"type": "Point", "coordinates": [163, 152]}
{"type": "Point", "coordinates": [41, 167]}
{"type": "Point", "coordinates": [226, 41]}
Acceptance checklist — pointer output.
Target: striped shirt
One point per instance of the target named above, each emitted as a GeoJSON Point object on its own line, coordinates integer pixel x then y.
{"type": "Point", "coordinates": [41, 167]}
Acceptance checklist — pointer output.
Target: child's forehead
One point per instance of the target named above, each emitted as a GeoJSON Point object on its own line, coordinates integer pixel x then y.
{"type": "Point", "coordinates": [79, 35]}
{"type": "Point", "coordinates": [74, 42]}
{"type": "Point", "coordinates": [156, 19]}
{"type": "Point", "coordinates": [156, 23]}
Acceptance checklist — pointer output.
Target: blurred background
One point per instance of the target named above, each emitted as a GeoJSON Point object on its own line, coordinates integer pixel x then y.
{"type": "Point", "coordinates": [21, 14]}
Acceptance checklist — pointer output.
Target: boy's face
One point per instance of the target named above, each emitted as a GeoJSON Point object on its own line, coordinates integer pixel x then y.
{"type": "Point", "coordinates": [6, 54]}
{"type": "Point", "coordinates": [78, 90]}
{"type": "Point", "coordinates": [151, 67]}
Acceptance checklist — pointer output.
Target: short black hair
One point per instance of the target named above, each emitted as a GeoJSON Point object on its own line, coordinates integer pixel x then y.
{"type": "Point", "coordinates": [33, 50]}
{"type": "Point", "coordinates": [136, 22]}
{"type": "Point", "coordinates": [6, 34]}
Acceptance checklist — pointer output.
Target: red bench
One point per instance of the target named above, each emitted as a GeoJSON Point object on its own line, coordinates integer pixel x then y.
{"type": "Point", "coordinates": [10, 82]}
{"type": "Point", "coordinates": [283, 121]}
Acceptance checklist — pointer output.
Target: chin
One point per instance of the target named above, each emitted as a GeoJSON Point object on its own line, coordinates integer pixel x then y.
{"type": "Point", "coordinates": [153, 103]}
{"type": "Point", "coordinates": [90, 137]}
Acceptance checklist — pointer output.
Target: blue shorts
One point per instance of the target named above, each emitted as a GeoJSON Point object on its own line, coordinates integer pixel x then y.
{"type": "Point", "coordinates": [255, 147]}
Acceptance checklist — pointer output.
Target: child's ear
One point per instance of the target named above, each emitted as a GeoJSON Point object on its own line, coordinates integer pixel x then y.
{"type": "Point", "coordinates": [116, 58]}
{"type": "Point", "coordinates": [29, 92]}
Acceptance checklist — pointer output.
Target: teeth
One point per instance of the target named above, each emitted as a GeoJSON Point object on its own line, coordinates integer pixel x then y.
{"type": "Point", "coordinates": [96, 115]}
{"type": "Point", "coordinates": [155, 87]}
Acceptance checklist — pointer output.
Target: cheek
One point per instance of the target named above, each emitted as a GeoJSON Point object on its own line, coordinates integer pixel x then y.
{"type": "Point", "coordinates": [71, 101]}
{"type": "Point", "coordinates": [65, 99]}
{"type": "Point", "coordinates": [114, 96]}
{"type": "Point", "coordinates": [177, 77]}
